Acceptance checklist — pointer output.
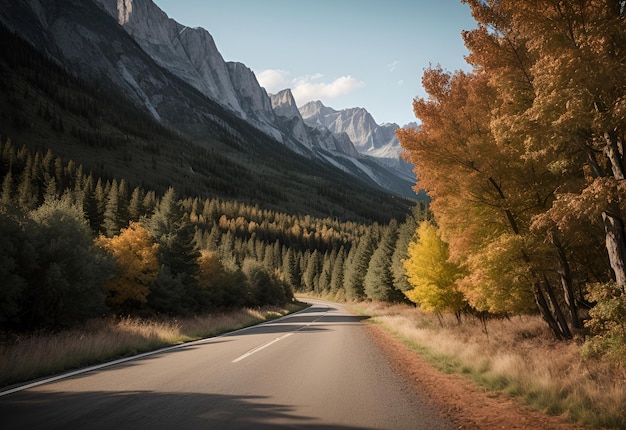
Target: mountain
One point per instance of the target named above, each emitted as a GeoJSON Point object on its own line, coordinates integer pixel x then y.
{"type": "Point", "coordinates": [369, 138]}
{"type": "Point", "coordinates": [131, 55]}
{"type": "Point", "coordinates": [191, 54]}
{"type": "Point", "coordinates": [357, 123]}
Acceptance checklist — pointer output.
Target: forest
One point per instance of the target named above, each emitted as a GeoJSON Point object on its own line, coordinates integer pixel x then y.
{"type": "Point", "coordinates": [524, 160]}
{"type": "Point", "coordinates": [75, 246]}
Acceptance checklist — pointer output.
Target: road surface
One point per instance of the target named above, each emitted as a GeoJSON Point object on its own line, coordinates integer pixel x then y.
{"type": "Point", "coordinates": [316, 369]}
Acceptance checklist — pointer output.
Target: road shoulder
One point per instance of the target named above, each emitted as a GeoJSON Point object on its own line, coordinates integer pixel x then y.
{"type": "Point", "coordinates": [459, 398]}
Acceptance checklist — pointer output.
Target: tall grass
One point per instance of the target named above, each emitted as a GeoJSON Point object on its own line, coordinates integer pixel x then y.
{"type": "Point", "coordinates": [35, 356]}
{"type": "Point", "coordinates": [517, 356]}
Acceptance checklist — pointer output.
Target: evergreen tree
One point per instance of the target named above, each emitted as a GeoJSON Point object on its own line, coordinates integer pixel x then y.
{"type": "Point", "coordinates": [406, 233]}
{"type": "Point", "coordinates": [26, 192]}
{"type": "Point", "coordinates": [96, 209]}
{"type": "Point", "coordinates": [135, 206]}
{"type": "Point", "coordinates": [356, 267]}
{"type": "Point", "coordinates": [66, 287]}
{"type": "Point", "coordinates": [311, 273]}
{"type": "Point", "coordinates": [174, 233]}
{"type": "Point", "coordinates": [336, 277]}
{"type": "Point", "coordinates": [7, 189]}
{"type": "Point", "coordinates": [111, 222]}
{"type": "Point", "coordinates": [378, 282]}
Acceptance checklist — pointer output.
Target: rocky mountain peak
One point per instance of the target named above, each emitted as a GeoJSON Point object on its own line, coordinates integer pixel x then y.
{"type": "Point", "coordinates": [189, 53]}
{"type": "Point", "coordinates": [284, 104]}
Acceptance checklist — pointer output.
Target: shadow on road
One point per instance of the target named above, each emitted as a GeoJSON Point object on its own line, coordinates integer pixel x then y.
{"type": "Point", "coordinates": [149, 410]}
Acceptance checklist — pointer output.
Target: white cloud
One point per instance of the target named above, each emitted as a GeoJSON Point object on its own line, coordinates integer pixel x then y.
{"type": "Point", "coordinates": [274, 80]}
{"type": "Point", "coordinates": [305, 90]}
{"type": "Point", "coordinates": [309, 87]}
{"type": "Point", "coordinates": [393, 66]}
{"type": "Point", "coordinates": [400, 82]}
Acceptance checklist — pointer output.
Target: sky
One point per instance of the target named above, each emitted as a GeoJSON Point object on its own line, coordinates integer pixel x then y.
{"type": "Point", "coordinates": [345, 53]}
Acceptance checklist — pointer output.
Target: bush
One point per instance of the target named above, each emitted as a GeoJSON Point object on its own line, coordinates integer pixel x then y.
{"type": "Point", "coordinates": [607, 322]}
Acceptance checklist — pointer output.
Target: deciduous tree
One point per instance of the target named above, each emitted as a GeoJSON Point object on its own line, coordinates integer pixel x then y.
{"type": "Point", "coordinates": [136, 258]}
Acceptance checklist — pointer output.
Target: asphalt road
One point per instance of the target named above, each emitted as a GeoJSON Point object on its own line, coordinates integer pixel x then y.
{"type": "Point", "coordinates": [316, 369]}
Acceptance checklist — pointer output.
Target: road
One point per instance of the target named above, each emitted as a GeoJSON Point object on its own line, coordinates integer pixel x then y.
{"type": "Point", "coordinates": [316, 369]}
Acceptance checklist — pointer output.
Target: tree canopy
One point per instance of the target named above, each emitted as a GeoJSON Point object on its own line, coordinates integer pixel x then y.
{"type": "Point", "coordinates": [523, 157]}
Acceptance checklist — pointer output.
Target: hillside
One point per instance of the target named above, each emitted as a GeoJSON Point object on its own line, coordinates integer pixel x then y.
{"type": "Point", "coordinates": [44, 107]}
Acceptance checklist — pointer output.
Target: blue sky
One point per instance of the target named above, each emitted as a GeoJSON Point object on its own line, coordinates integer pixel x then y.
{"type": "Point", "coordinates": [346, 53]}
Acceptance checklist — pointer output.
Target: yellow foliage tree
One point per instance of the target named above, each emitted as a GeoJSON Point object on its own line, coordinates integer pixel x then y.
{"type": "Point", "coordinates": [431, 274]}
{"type": "Point", "coordinates": [136, 256]}
{"type": "Point", "coordinates": [210, 270]}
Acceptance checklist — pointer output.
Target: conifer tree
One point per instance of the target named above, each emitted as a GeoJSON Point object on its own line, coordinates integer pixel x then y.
{"type": "Point", "coordinates": [336, 277]}
{"type": "Point", "coordinates": [7, 189]}
{"type": "Point", "coordinates": [111, 221]}
{"type": "Point", "coordinates": [356, 267]}
{"type": "Point", "coordinates": [378, 282]}
{"type": "Point", "coordinates": [135, 206]}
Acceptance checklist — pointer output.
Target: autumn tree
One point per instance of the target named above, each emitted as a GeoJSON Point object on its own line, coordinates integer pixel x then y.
{"type": "Point", "coordinates": [561, 102]}
{"type": "Point", "coordinates": [481, 192]}
{"type": "Point", "coordinates": [431, 274]}
{"type": "Point", "coordinates": [136, 258]}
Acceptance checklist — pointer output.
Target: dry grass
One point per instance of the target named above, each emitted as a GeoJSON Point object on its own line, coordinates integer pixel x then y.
{"type": "Point", "coordinates": [27, 358]}
{"type": "Point", "coordinates": [517, 356]}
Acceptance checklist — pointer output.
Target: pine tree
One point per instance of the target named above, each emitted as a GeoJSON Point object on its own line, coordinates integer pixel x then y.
{"type": "Point", "coordinates": [111, 221]}
{"type": "Point", "coordinates": [378, 282]}
{"type": "Point", "coordinates": [356, 267]}
{"type": "Point", "coordinates": [7, 189]}
{"type": "Point", "coordinates": [135, 206]}
{"type": "Point", "coordinates": [336, 277]}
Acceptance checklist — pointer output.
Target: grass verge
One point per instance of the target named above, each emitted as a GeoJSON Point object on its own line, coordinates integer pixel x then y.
{"type": "Point", "coordinates": [98, 341]}
{"type": "Point", "coordinates": [516, 356]}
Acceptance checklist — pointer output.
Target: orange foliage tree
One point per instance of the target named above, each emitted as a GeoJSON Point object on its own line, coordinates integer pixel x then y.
{"type": "Point", "coordinates": [136, 256]}
{"type": "Point", "coordinates": [518, 152]}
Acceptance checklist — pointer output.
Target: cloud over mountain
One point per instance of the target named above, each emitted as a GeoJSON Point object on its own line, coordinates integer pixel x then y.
{"type": "Point", "coordinates": [308, 87]}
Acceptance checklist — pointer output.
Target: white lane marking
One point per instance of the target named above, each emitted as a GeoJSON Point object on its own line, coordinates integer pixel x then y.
{"type": "Point", "coordinates": [271, 342]}
{"type": "Point", "coordinates": [135, 357]}
{"type": "Point", "coordinates": [259, 348]}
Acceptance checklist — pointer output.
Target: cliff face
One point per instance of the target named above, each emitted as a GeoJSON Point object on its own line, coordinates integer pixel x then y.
{"type": "Point", "coordinates": [178, 75]}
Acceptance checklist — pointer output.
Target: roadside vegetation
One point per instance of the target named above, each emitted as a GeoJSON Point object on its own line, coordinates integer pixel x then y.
{"type": "Point", "coordinates": [518, 356]}
{"type": "Point", "coordinates": [36, 355]}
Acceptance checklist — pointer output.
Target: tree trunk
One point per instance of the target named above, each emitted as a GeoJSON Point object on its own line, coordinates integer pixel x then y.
{"type": "Point", "coordinates": [613, 151]}
{"type": "Point", "coordinates": [616, 246]}
{"type": "Point", "coordinates": [566, 281]}
{"type": "Point", "coordinates": [560, 317]}
{"type": "Point", "coordinates": [542, 304]}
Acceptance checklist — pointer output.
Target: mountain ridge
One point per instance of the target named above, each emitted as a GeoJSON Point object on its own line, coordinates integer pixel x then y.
{"type": "Point", "coordinates": [191, 54]}
{"type": "Point", "coordinates": [79, 38]}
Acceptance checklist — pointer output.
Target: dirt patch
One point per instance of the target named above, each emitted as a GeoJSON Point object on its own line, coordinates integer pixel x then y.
{"type": "Point", "coordinates": [462, 400]}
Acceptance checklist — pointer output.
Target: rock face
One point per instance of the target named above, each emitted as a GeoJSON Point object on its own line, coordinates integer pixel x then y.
{"type": "Point", "coordinates": [189, 53]}
{"type": "Point", "coordinates": [178, 75]}
{"type": "Point", "coordinates": [357, 123]}
{"type": "Point", "coordinates": [369, 138]}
